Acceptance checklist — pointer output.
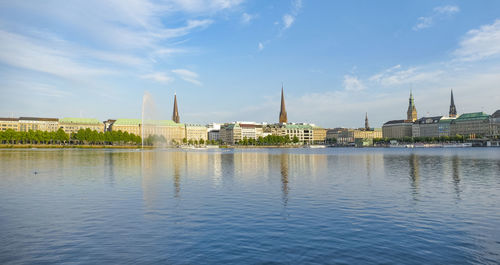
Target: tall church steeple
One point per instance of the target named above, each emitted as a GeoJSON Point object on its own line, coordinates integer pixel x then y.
{"type": "Point", "coordinates": [411, 114]}
{"type": "Point", "coordinates": [367, 126]}
{"type": "Point", "coordinates": [283, 117]}
{"type": "Point", "coordinates": [453, 109]}
{"type": "Point", "coordinates": [175, 114]}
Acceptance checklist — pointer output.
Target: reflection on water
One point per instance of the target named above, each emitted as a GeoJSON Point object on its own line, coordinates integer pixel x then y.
{"type": "Point", "coordinates": [225, 206]}
{"type": "Point", "coordinates": [414, 173]}
{"type": "Point", "coordinates": [284, 177]}
{"type": "Point", "coordinates": [456, 174]}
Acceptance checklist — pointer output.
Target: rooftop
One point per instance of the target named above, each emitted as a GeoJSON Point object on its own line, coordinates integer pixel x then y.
{"type": "Point", "coordinates": [37, 119]}
{"type": "Point", "coordinates": [429, 120]}
{"type": "Point", "coordinates": [394, 122]}
{"type": "Point", "coordinates": [80, 121]}
{"type": "Point", "coordinates": [472, 116]}
{"type": "Point", "coordinates": [137, 122]}
{"type": "Point", "coordinates": [9, 119]}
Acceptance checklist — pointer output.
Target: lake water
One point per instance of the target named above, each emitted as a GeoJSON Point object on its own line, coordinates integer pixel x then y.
{"type": "Point", "coordinates": [275, 206]}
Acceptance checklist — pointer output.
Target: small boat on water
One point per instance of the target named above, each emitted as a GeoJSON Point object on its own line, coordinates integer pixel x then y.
{"type": "Point", "coordinates": [315, 146]}
{"type": "Point", "coordinates": [458, 145]}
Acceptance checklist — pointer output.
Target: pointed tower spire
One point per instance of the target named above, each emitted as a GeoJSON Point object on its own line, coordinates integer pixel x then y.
{"type": "Point", "coordinates": [453, 109]}
{"type": "Point", "coordinates": [175, 114]}
{"type": "Point", "coordinates": [283, 117]}
{"type": "Point", "coordinates": [367, 126]}
{"type": "Point", "coordinates": [411, 114]}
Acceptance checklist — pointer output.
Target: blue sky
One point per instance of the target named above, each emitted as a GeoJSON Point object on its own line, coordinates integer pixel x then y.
{"type": "Point", "coordinates": [226, 59]}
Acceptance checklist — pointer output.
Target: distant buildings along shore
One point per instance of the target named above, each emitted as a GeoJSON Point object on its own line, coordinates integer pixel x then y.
{"type": "Point", "coordinates": [471, 125]}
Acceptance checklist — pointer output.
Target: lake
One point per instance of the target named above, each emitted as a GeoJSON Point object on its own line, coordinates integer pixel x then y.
{"type": "Point", "coordinates": [250, 206]}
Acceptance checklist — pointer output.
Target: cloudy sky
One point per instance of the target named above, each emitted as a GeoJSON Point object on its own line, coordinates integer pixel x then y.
{"type": "Point", "coordinates": [227, 59]}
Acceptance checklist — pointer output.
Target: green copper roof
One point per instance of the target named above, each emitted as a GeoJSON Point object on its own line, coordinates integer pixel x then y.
{"type": "Point", "coordinates": [473, 116]}
{"type": "Point", "coordinates": [80, 121]}
{"type": "Point", "coordinates": [298, 126]}
{"type": "Point", "coordinates": [137, 122]}
{"type": "Point", "coordinates": [127, 122]}
{"type": "Point", "coordinates": [231, 126]}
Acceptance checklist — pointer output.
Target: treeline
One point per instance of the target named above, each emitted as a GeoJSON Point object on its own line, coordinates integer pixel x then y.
{"type": "Point", "coordinates": [269, 140]}
{"type": "Point", "coordinates": [83, 136]}
{"type": "Point", "coordinates": [407, 139]}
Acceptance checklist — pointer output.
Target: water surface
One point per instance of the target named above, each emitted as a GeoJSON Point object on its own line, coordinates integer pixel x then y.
{"type": "Point", "coordinates": [321, 206]}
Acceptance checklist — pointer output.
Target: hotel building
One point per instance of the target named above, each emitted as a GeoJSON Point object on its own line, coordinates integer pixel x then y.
{"type": "Point", "coordinates": [9, 123]}
{"type": "Point", "coordinates": [40, 124]}
{"type": "Point", "coordinates": [73, 125]}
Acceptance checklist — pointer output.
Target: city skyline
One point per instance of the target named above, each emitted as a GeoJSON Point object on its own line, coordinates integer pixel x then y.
{"type": "Point", "coordinates": [226, 59]}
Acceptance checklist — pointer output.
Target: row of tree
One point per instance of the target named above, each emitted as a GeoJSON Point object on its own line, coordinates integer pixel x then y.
{"type": "Point", "coordinates": [407, 139]}
{"type": "Point", "coordinates": [83, 136]}
{"type": "Point", "coordinates": [269, 140]}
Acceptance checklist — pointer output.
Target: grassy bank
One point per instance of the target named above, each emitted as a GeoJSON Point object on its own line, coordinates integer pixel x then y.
{"type": "Point", "coordinates": [27, 146]}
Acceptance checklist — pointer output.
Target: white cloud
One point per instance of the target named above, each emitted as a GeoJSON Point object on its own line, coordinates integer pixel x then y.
{"type": "Point", "coordinates": [247, 18]}
{"type": "Point", "coordinates": [447, 10]}
{"type": "Point", "coordinates": [24, 52]}
{"type": "Point", "coordinates": [158, 77]}
{"type": "Point", "coordinates": [423, 22]}
{"type": "Point", "coordinates": [203, 6]}
{"type": "Point", "coordinates": [352, 83]}
{"type": "Point", "coordinates": [395, 76]}
{"type": "Point", "coordinates": [480, 43]}
{"type": "Point", "coordinates": [261, 46]}
{"type": "Point", "coordinates": [440, 12]}
{"type": "Point", "coordinates": [287, 20]}
{"type": "Point", "coordinates": [187, 76]}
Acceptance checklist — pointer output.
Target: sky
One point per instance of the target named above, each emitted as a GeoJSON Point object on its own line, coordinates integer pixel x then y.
{"type": "Point", "coordinates": [226, 60]}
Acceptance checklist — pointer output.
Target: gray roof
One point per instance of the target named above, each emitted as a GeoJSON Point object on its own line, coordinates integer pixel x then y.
{"type": "Point", "coordinates": [394, 122]}
{"type": "Point", "coordinates": [428, 120]}
{"type": "Point", "coordinates": [496, 114]}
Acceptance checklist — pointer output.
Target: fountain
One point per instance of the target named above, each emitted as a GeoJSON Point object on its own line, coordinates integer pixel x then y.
{"type": "Point", "coordinates": [149, 117]}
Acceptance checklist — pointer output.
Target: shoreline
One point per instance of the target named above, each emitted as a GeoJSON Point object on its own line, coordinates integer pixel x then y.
{"type": "Point", "coordinates": [53, 146]}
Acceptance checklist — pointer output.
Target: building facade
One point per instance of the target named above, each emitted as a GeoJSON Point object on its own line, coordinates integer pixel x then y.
{"type": "Point", "coordinates": [38, 124]}
{"type": "Point", "coordinates": [169, 129]}
{"type": "Point", "coordinates": [234, 132]}
{"type": "Point", "coordinates": [9, 123]}
{"type": "Point", "coordinates": [346, 136]}
{"type": "Point", "coordinates": [472, 125]}
{"type": "Point", "coordinates": [319, 135]}
{"type": "Point", "coordinates": [426, 127]}
{"type": "Point", "coordinates": [495, 124]}
{"type": "Point", "coordinates": [304, 132]}
{"type": "Point", "coordinates": [73, 125]}
{"type": "Point", "coordinates": [397, 129]}
{"type": "Point", "coordinates": [196, 132]}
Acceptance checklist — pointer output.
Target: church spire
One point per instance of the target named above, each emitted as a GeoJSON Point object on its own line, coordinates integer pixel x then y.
{"type": "Point", "coordinates": [367, 126]}
{"type": "Point", "coordinates": [411, 114]}
{"type": "Point", "coordinates": [283, 117]}
{"type": "Point", "coordinates": [175, 114]}
{"type": "Point", "coordinates": [453, 109]}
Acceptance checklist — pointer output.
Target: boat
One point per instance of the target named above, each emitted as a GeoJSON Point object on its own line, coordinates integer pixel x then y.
{"type": "Point", "coordinates": [315, 146]}
{"type": "Point", "coordinates": [458, 145]}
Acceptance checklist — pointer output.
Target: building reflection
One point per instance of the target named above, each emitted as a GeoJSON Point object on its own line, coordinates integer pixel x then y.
{"type": "Point", "coordinates": [414, 173]}
{"type": "Point", "coordinates": [177, 161]}
{"type": "Point", "coordinates": [284, 178]}
{"type": "Point", "coordinates": [455, 168]}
